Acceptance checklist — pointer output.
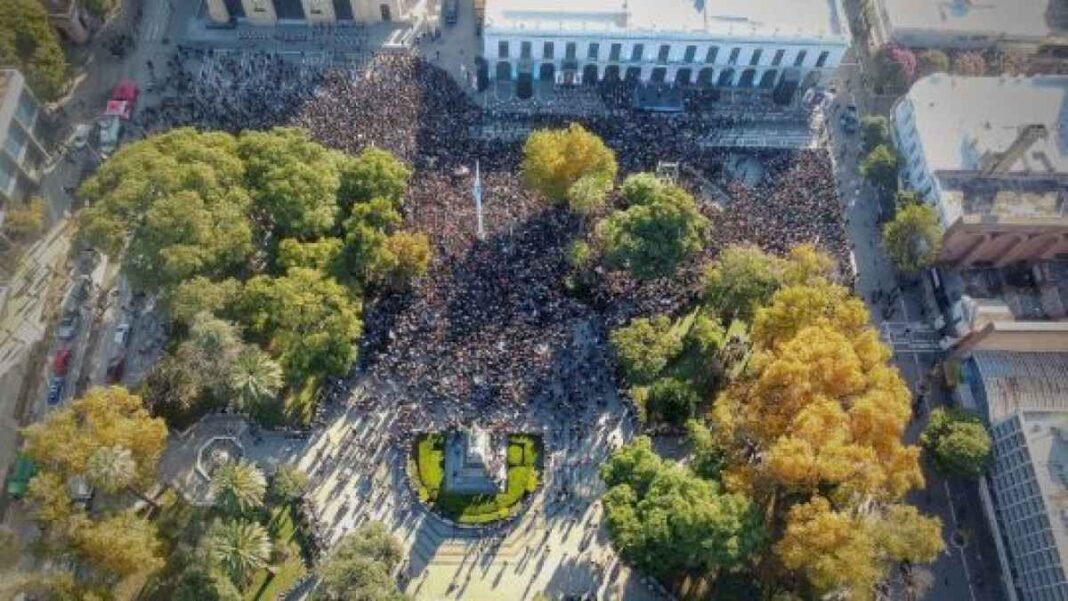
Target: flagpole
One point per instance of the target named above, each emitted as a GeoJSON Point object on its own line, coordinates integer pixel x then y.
{"type": "Point", "coordinates": [478, 200]}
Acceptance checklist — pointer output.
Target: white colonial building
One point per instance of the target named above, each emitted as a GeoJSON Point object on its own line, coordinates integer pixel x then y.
{"type": "Point", "coordinates": [742, 43]}
{"type": "Point", "coordinates": [270, 12]}
{"type": "Point", "coordinates": [964, 24]}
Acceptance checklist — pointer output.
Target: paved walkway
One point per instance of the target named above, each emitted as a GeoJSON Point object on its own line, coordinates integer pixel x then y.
{"type": "Point", "coordinates": [358, 473]}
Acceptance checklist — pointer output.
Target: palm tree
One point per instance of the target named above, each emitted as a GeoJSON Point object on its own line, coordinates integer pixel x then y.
{"type": "Point", "coordinates": [254, 378]}
{"type": "Point", "coordinates": [238, 487]}
{"type": "Point", "coordinates": [113, 469]}
{"type": "Point", "coordinates": [238, 548]}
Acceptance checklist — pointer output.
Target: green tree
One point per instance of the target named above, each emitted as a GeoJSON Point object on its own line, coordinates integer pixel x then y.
{"type": "Point", "coordinates": [652, 237]}
{"type": "Point", "coordinates": [555, 159]}
{"type": "Point", "coordinates": [660, 514]}
{"type": "Point", "coordinates": [742, 278]}
{"type": "Point", "coordinates": [589, 193]}
{"type": "Point", "coordinates": [237, 548]}
{"type": "Point", "coordinates": [309, 319]}
{"type": "Point", "coordinates": [29, 43]}
{"type": "Point", "coordinates": [969, 64]}
{"type": "Point", "coordinates": [201, 295]}
{"type": "Point", "coordinates": [874, 131]}
{"type": "Point", "coordinates": [709, 456]}
{"type": "Point", "coordinates": [180, 201]}
{"type": "Point", "coordinates": [957, 443]}
{"type": "Point", "coordinates": [174, 389]}
{"type": "Point", "coordinates": [111, 469]}
{"type": "Point", "coordinates": [645, 347]}
{"type": "Point", "coordinates": [374, 173]}
{"type": "Point", "coordinates": [288, 483]}
{"type": "Point", "coordinates": [293, 180]}
{"type": "Point", "coordinates": [360, 567]}
{"type": "Point", "coordinates": [238, 488]}
{"type": "Point", "coordinates": [254, 378]}
{"type": "Point", "coordinates": [99, 8]}
{"type": "Point", "coordinates": [932, 61]}
{"type": "Point", "coordinates": [914, 237]}
{"type": "Point", "coordinates": [671, 400]}
{"type": "Point", "coordinates": [320, 255]}
{"type": "Point", "coordinates": [880, 168]}
{"type": "Point", "coordinates": [200, 583]}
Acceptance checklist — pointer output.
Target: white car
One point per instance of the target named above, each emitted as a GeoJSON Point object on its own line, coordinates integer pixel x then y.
{"type": "Point", "coordinates": [122, 334]}
{"type": "Point", "coordinates": [81, 135]}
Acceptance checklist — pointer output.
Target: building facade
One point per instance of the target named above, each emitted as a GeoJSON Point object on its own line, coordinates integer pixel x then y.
{"type": "Point", "coordinates": [313, 12]}
{"type": "Point", "coordinates": [1023, 397]}
{"type": "Point", "coordinates": [751, 43]}
{"type": "Point", "coordinates": [21, 154]}
{"type": "Point", "coordinates": [987, 153]}
{"type": "Point", "coordinates": [964, 24]}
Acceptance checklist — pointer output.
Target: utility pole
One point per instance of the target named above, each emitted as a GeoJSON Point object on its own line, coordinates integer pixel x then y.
{"type": "Point", "coordinates": [478, 201]}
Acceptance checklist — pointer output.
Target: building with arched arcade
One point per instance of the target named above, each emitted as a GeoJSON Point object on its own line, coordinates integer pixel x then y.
{"type": "Point", "coordinates": [737, 43]}
{"type": "Point", "coordinates": [991, 155]}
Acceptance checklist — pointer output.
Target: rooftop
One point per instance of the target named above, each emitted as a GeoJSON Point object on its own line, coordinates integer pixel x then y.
{"type": "Point", "coordinates": [1021, 19]}
{"type": "Point", "coordinates": [1023, 382]}
{"type": "Point", "coordinates": [1004, 199]}
{"type": "Point", "coordinates": [961, 119]}
{"type": "Point", "coordinates": [809, 19]}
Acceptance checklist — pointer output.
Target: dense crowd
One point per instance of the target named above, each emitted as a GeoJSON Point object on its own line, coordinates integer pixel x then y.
{"type": "Point", "coordinates": [492, 326]}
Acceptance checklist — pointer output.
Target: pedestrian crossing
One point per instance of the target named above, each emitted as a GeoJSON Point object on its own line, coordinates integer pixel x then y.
{"type": "Point", "coordinates": [911, 337]}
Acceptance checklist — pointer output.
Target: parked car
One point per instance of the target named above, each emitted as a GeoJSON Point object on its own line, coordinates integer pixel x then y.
{"type": "Point", "coordinates": [55, 389]}
{"type": "Point", "coordinates": [80, 139]}
{"type": "Point", "coordinates": [122, 335]}
{"type": "Point", "coordinates": [110, 130]}
{"type": "Point", "coordinates": [61, 363]}
{"type": "Point", "coordinates": [116, 369]}
{"type": "Point", "coordinates": [21, 474]}
{"type": "Point", "coordinates": [68, 326]}
{"type": "Point", "coordinates": [851, 119]}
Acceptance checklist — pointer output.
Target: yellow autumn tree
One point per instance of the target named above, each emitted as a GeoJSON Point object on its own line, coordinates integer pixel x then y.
{"type": "Point", "coordinates": [554, 160]}
{"type": "Point", "coordinates": [64, 441]}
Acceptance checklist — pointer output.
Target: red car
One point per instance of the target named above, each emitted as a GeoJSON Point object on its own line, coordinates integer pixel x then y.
{"type": "Point", "coordinates": [62, 362]}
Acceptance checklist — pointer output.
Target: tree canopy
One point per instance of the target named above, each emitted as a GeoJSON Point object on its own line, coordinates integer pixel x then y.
{"type": "Point", "coordinates": [308, 318]}
{"type": "Point", "coordinates": [360, 567]}
{"type": "Point", "coordinates": [180, 199]}
{"type": "Point", "coordinates": [874, 131]}
{"type": "Point", "coordinates": [666, 519]}
{"type": "Point", "coordinates": [374, 173]}
{"type": "Point", "coordinates": [914, 237]}
{"type": "Point", "coordinates": [554, 160]}
{"type": "Point", "coordinates": [29, 43]}
{"type": "Point", "coordinates": [644, 348]}
{"type": "Point", "coordinates": [741, 279]}
{"type": "Point", "coordinates": [932, 61]}
{"type": "Point", "coordinates": [880, 167]}
{"type": "Point", "coordinates": [660, 228]}
{"type": "Point", "coordinates": [957, 443]}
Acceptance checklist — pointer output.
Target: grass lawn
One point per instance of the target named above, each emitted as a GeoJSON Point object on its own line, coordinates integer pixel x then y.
{"type": "Point", "coordinates": [522, 455]}
{"type": "Point", "coordinates": [284, 531]}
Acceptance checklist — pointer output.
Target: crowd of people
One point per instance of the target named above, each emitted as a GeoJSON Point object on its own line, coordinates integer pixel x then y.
{"type": "Point", "coordinates": [492, 326]}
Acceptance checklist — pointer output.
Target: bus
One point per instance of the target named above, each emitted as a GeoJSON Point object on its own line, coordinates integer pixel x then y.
{"type": "Point", "coordinates": [451, 12]}
{"type": "Point", "coordinates": [19, 479]}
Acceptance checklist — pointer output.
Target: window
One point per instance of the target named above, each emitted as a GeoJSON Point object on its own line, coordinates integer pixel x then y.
{"type": "Point", "coordinates": [710, 56]}
{"type": "Point", "coordinates": [775, 62]}
{"type": "Point", "coordinates": [15, 143]}
{"type": "Point", "coordinates": [524, 50]}
{"type": "Point", "coordinates": [5, 176]}
{"type": "Point", "coordinates": [733, 60]}
{"type": "Point", "coordinates": [800, 58]}
{"type": "Point", "coordinates": [690, 54]}
{"type": "Point", "coordinates": [822, 60]}
{"type": "Point", "coordinates": [614, 52]}
{"type": "Point", "coordinates": [569, 51]}
{"type": "Point", "coordinates": [755, 59]}
{"type": "Point", "coordinates": [27, 109]}
{"type": "Point", "coordinates": [593, 51]}
{"type": "Point", "coordinates": [547, 51]}
{"type": "Point", "coordinates": [502, 49]}
{"type": "Point", "coordinates": [665, 52]}
{"type": "Point", "coordinates": [636, 52]}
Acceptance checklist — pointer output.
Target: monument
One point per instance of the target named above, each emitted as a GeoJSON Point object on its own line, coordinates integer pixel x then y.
{"type": "Point", "coordinates": [475, 463]}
